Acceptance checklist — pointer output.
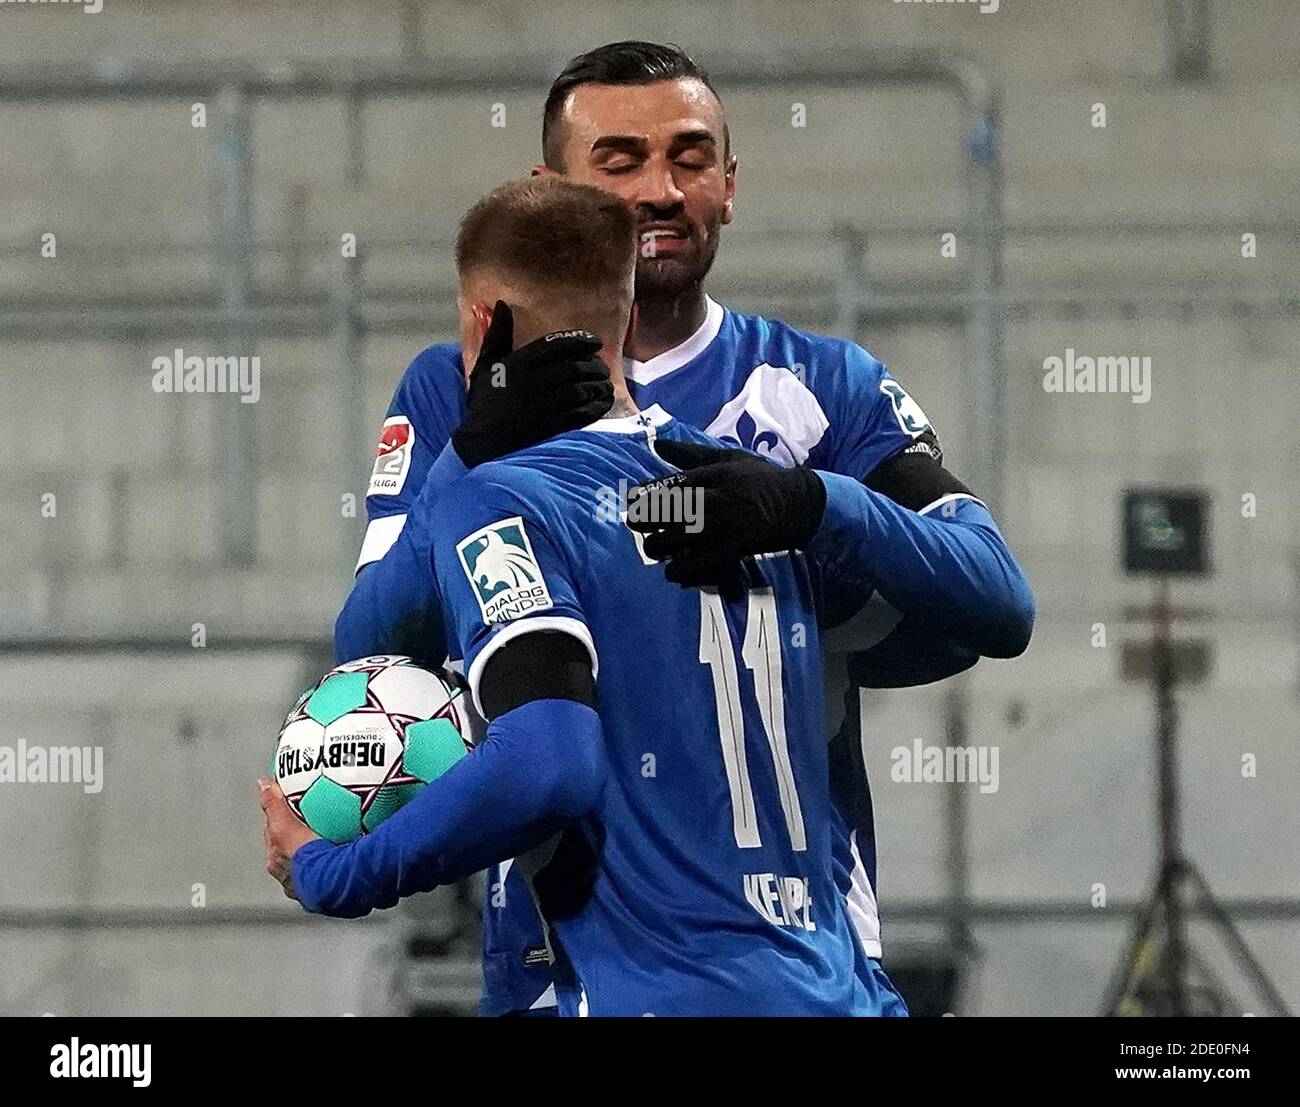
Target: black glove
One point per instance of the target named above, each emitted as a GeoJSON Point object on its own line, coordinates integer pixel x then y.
{"type": "Point", "coordinates": [744, 506]}
{"type": "Point", "coordinates": [520, 398]}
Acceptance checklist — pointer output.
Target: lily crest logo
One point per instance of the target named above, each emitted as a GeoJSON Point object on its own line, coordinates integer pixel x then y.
{"type": "Point", "coordinates": [503, 571]}
{"type": "Point", "coordinates": [748, 435]}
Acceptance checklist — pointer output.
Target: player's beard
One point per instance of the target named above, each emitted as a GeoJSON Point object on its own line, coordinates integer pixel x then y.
{"type": "Point", "coordinates": [666, 278]}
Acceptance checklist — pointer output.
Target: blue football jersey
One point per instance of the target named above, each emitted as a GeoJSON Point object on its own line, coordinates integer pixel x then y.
{"type": "Point", "coordinates": [712, 883]}
{"type": "Point", "coordinates": [749, 381]}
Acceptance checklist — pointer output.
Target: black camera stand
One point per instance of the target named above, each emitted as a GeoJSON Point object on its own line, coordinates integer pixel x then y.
{"type": "Point", "coordinates": [1160, 974]}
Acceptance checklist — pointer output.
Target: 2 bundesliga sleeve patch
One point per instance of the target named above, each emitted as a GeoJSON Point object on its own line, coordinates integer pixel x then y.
{"type": "Point", "coordinates": [503, 571]}
{"type": "Point", "coordinates": [393, 457]}
{"type": "Point", "coordinates": [906, 410]}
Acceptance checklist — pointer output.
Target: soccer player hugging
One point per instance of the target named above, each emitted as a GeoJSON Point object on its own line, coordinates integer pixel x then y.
{"type": "Point", "coordinates": [693, 842]}
{"type": "Point", "coordinates": [688, 811]}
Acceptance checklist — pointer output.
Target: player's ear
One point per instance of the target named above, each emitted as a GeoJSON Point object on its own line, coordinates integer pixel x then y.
{"type": "Point", "coordinates": [475, 319]}
{"type": "Point", "coordinates": [543, 171]}
{"type": "Point", "coordinates": [482, 320]}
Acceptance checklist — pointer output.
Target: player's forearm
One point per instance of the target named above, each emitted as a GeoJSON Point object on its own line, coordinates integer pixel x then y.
{"type": "Point", "coordinates": [912, 654]}
{"type": "Point", "coordinates": [392, 608]}
{"type": "Point", "coordinates": [949, 569]}
{"type": "Point", "coordinates": [540, 767]}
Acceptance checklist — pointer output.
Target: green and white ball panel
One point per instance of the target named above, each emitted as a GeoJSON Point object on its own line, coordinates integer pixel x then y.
{"type": "Point", "coordinates": [411, 691]}
{"type": "Point", "coordinates": [332, 811]}
{"type": "Point", "coordinates": [390, 799]}
{"type": "Point", "coordinates": [432, 747]}
{"type": "Point", "coordinates": [336, 695]}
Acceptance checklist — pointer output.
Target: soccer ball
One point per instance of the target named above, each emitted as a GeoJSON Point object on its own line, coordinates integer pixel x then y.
{"type": "Point", "coordinates": [364, 740]}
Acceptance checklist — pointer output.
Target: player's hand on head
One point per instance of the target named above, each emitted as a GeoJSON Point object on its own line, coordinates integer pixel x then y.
{"type": "Point", "coordinates": [518, 398]}
{"type": "Point", "coordinates": [284, 833]}
{"type": "Point", "coordinates": [723, 506]}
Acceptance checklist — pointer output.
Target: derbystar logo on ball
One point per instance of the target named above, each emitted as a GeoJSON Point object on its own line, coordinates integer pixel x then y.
{"type": "Point", "coordinates": [501, 566]}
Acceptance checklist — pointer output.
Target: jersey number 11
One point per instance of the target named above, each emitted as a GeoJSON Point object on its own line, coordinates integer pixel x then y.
{"type": "Point", "coordinates": [761, 652]}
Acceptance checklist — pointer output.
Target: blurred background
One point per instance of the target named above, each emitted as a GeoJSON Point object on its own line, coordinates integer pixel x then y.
{"type": "Point", "coordinates": [180, 586]}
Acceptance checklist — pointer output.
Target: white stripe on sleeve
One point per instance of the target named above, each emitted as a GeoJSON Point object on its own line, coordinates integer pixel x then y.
{"type": "Point", "coordinates": [379, 539]}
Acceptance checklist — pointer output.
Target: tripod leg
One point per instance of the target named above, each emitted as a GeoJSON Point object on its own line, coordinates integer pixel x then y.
{"type": "Point", "coordinates": [1174, 968]}
{"type": "Point", "coordinates": [1221, 919]}
{"type": "Point", "coordinates": [1126, 971]}
{"type": "Point", "coordinates": [1212, 993]}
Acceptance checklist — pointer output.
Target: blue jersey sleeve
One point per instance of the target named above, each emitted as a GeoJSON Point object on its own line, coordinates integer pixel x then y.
{"type": "Point", "coordinates": [504, 566]}
{"type": "Point", "coordinates": [540, 767]}
{"type": "Point", "coordinates": [871, 416]}
{"type": "Point", "coordinates": [393, 606]}
{"type": "Point", "coordinates": [946, 566]}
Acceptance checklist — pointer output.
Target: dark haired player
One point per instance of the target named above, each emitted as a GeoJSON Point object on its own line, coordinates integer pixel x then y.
{"type": "Point", "coordinates": [642, 121]}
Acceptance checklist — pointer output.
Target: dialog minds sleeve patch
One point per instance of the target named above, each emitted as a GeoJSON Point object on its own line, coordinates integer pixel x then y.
{"type": "Point", "coordinates": [393, 457]}
{"type": "Point", "coordinates": [503, 571]}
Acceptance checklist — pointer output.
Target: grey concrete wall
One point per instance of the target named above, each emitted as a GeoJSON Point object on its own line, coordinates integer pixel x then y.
{"type": "Point", "coordinates": [135, 545]}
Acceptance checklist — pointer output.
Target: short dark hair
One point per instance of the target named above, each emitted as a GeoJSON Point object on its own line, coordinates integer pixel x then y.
{"type": "Point", "coordinates": [569, 244]}
{"type": "Point", "coordinates": [617, 63]}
